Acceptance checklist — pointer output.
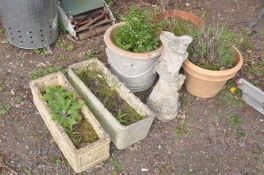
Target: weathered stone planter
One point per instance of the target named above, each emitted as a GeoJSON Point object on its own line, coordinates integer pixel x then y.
{"type": "Point", "coordinates": [121, 136]}
{"type": "Point", "coordinates": [85, 157]}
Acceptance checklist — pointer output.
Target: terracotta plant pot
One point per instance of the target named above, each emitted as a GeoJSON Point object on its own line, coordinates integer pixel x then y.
{"type": "Point", "coordinates": [135, 70]}
{"type": "Point", "coordinates": [201, 82]}
{"type": "Point", "coordinates": [206, 83]}
{"type": "Point", "coordinates": [186, 16]}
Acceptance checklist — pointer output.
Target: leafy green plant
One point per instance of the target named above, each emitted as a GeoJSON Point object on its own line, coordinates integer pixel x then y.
{"type": "Point", "coordinates": [1, 88]}
{"type": "Point", "coordinates": [69, 47]}
{"type": "Point", "coordinates": [43, 71]}
{"type": "Point", "coordinates": [139, 34]}
{"type": "Point", "coordinates": [63, 57]}
{"type": "Point", "coordinates": [65, 108]}
{"type": "Point", "coordinates": [4, 109]}
{"type": "Point", "coordinates": [235, 120]}
{"type": "Point", "coordinates": [41, 52]}
{"type": "Point", "coordinates": [245, 40]}
{"type": "Point", "coordinates": [118, 166]}
{"type": "Point", "coordinates": [121, 117]}
{"type": "Point", "coordinates": [181, 130]}
{"type": "Point", "coordinates": [27, 171]}
{"type": "Point", "coordinates": [212, 45]}
{"type": "Point", "coordinates": [62, 29]}
{"type": "Point", "coordinates": [240, 133]}
{"type": "Point", "coordinates": [2, 31]}
{"type": "Point", "coordinates": [212, 48]}
{"type": "Point", "coordinates": [90, 54]}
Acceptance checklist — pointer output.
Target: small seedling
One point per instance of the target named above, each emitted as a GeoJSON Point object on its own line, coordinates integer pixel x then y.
{"type": "Point", "coordinates": [121, 117]}
{"type": "Point", "coordinates": [241, 133]}
{"type": "Point", "coordinates": [4, 109]}
{"type": "Point", "coordinates": [43, 71]}
{"type": "Point", "coordinates": [27, 171]}
{"type": "Point", "coordinates": [181, 130]}
{"type": "Point", "coordinates": [118, 166]}
{"type": "Point", "coordinates": [57, 161]}
{"type": "Point", "coordinates": [235, 120]}
{"type": "Point", "coordinates": [186, 154]}
{"type": "Point", "coordinates": [41, 52]}
{"type": "Point", "coordinates": [63, 57]}
{"type": "Point", "coordinates": [1, 88]}
{"type": "Point", "coordinates": [90, 54]}
{"type": "Point", "coordinates": [59, 43]}
{"type": "Point", "coordinates": [226, 98]}
{"type": "Point", "coordinates": [62, 29]}
{"type": "Point", "coordinates": [69, 47]}
{"type": "Point", "coordinates": [2, 31]}
{"type": "Point", "coordinates": [245, 40]}
{"type": "Point", "coordinates": [18, 100]}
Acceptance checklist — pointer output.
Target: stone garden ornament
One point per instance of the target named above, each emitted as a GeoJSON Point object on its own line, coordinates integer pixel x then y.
{"type": "Point", "coordinates": [163, 100]}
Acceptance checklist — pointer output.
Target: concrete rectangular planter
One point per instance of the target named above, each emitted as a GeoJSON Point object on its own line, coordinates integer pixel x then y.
{"type": "Point", "coordinates": [85, 157]}
{"type": "Point", "coordinates": [122, 136]}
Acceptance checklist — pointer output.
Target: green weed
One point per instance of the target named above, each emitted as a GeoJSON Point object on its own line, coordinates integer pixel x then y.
{"type": "Point", "coordinates": [181, 130]}
{"type": "Point", "coordinates": [69, 47]}
{"type": "Point", "coordinates": [27, 171]}
{"type": "Point", "coordinates": [62, 29]}
{"type": "Point", "coordinates": [90, 54]}
{"type": "Point", "coordinates": [59, 43]}
{"type": "Point", "coordinates": [245, 40]}
{"type": "Point", "coordinates": [4, 109]}
{"type": "Point", "coordinates": [240, 133]}
{"type": "Point", "coordinates": [18, 100]}
{"type": "Point", "coordinates": [121, 117]}
{"type": "Point", "coordinates": [226, 98]}
{"type": "Point", "coordinates": [41, 52]}
{"type": "Point", "coordinates": [118, 166]}
{"type": "Point", "coordinates": [57, 161]}
{"type": "Point", "coordinates": [2, 31]}
{"type": "Point", "coordinates": [43, 72]}
{"type": "Point", "coordinates": [235, 120]}
{"type": "Point", "coordinates": [2, 88]}
{"type": "Point", "coordinates": [64, 58]}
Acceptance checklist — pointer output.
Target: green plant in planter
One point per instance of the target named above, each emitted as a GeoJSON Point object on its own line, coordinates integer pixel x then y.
{"type": "Point", "coordinates": [65, 107]}
{"type": "Point", "coordinates": [139, 34]}
{"type": "Point", "coordinates": [212, 48]}
{"type": "Point", "coordinates": [212, 45]}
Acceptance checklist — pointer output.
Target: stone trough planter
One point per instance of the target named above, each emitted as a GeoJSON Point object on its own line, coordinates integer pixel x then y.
{"type": "Point", "coordinates": [85, 157]}
{"type": "Point", "coordinates": [122, 136]}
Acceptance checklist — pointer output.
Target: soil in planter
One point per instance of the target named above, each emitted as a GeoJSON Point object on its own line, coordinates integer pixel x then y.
{"type": "Point", "coordinates": [110, 98]}
{"type": "Point", "coordinates": [86, 133]}
{"type": "Point", "coordinates": [83, 132]}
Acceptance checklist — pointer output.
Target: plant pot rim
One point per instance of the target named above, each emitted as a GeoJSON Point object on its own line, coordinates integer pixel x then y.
{"type": "Point", "coordinates": [213, 73]}
{"type": "Point", "coordinates": [197, 21]}
{"type": "Point", "coordinates": [109, 43]}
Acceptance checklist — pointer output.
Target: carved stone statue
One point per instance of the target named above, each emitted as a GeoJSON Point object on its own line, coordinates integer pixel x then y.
{"type": "Point", "coordinates": [163, 100]}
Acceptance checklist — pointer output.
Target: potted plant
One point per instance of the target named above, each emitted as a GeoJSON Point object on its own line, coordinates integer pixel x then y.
{"type": "Point", "coordinates": [212, 57]}
{"type": "Point", "coordinates": [133, 48]}
{"type": "Point", "coordinates": [73, 127]}
{"type": "Point", "coordinates": [125, 118]}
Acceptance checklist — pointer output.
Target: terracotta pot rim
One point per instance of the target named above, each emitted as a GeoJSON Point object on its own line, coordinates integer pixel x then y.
{"type": "Point", "coordinates": [197, 21]}
{"type": "Point", "coordinates": [212, 73]}
{"type": "Point", "coordinates": [109, 43]}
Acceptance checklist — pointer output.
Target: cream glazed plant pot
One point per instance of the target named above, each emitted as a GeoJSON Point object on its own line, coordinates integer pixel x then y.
{"type": "Point", "coordinates": [85, 157]}
{"type": "Point", "coordinates": [206, 83]}
{"type": "Point", "coordinates": [136, 70]}
{"type": "Point", "coordinates": [122, 136]}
